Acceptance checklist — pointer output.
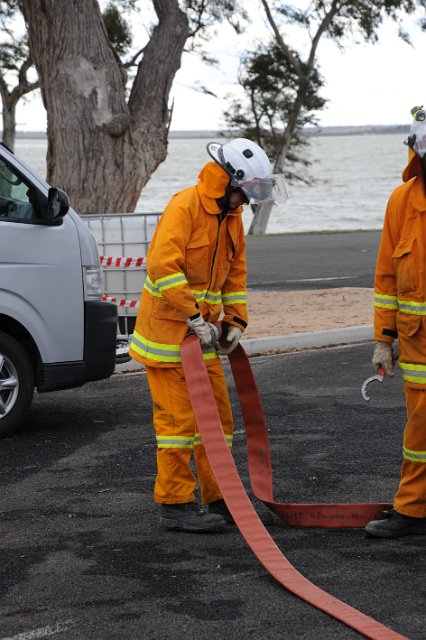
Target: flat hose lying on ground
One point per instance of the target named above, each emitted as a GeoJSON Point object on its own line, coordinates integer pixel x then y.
{"type": "Point", "coordinates": [260, 471]}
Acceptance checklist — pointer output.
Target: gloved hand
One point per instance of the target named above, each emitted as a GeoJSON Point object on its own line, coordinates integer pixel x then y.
{"type": "Point", "coordinates": [228, 342]}
{"type": "Point", "coordinates": [383, 355]}
{"type": "Point", "coordinates": [207, 332]}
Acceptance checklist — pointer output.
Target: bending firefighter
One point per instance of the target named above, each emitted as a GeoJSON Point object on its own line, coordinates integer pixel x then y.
{"type": "Point", "coordinates": [196, 267]}
{"type": "Point", "coordinates": [400, 312]}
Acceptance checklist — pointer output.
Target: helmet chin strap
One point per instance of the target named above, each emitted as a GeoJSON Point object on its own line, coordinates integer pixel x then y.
{"type": "Point", "coordinates": [225, 200]}
{"type": "Point", "coordinates": [423, 166]}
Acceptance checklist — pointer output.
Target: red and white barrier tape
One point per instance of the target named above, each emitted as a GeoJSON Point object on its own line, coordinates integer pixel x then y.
{"type": "Point", "coordinates": [129, 304]}
{"type": "Point", "coordinates": [122, 263]}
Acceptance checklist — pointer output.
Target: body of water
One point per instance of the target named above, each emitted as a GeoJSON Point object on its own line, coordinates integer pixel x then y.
{"type": "Point", "coordinates": [353, 176]}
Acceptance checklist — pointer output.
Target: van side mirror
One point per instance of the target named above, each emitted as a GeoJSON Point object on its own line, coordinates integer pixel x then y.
{"type": "Point", "coordinates": [57, 204]}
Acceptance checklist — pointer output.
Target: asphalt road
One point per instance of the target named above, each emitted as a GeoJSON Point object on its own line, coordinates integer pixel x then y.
{"type": "Point", "coordinates": [82, 556]}
{"type": "Point", "coordinates": [312, 261]}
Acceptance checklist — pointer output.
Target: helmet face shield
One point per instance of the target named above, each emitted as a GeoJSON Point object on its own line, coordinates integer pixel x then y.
{"type": "Point", "coordinates": [272, 189]}
{"type": "Point", "coordinates": [279, 192]}
{"type": "Point", "coordinates": [258, 190]}
{"type": "Point", "coordinates": [417, 140]}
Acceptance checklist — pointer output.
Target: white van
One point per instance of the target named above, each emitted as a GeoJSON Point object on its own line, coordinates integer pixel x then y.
{"type": "Point", "coordinates": [55, 330]}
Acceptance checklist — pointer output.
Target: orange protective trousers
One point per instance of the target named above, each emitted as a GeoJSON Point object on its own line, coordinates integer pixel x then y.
{"type": "Point", "coordinates": [410, 498]}
{"type": "Point", "coordinates": [178, 437]}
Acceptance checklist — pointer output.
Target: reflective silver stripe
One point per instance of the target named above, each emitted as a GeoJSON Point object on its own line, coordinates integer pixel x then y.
{"type": "Point", "coordinates": [162, 284]}
{"type": "Point", "coordinates": [416, 308]}
{"type": "Point", "coordinates": [413, 372]}
{"type": "Point", "coordinates": [151, 288]}
{"type": "Point", "coordinates": [175, 442]}
{"type": "Point", "coordinates": [168, 282]}
{"type": "Point", "coordinates": [198, 440]}
{"type": "Point", "coordinates": [214, 296]}
{"type": "Point", "coordinates": [155, 350]}
{"type": "Point", "coordinates": [199, 295]}
{"type": "Point", "coordinates": [162, 352]}
{"type": "Point", "coordinates": [385, 302]}
{"type": "Point", "coordinates": [414, 456]}
{"type": "Point", "coordinates": [407, 306]}
{"type": "Point", "coordinates": [236, 297]}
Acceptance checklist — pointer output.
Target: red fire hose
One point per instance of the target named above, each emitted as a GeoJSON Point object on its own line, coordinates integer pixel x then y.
{"type": "Point", "coordinates": [260, 471]}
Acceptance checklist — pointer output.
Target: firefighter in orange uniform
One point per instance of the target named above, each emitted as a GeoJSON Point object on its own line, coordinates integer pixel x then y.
{"type": "Point", "coordinates": [196, 267]}
{"type": "Point", "coordinates": [400, 312]}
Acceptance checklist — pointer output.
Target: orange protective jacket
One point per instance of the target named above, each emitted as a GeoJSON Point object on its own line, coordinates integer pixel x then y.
{"type": "Point", "coordinates": [196, 263]}
{"type": "Point", "coordinates": [400, 279]}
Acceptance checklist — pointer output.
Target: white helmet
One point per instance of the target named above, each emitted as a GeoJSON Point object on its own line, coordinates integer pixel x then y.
{"type": "Point", "coordinates": [247, 165]}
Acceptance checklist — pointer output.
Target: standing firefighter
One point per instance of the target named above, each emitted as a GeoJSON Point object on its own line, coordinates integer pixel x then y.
{"type": "Point", "coordinates": [400, 312]}
{"type": "Point", "coordinates": [196, 266]}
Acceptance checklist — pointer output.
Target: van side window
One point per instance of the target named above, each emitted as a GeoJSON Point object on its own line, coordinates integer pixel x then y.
{"type": "Point", "coordinates": [18, 199]}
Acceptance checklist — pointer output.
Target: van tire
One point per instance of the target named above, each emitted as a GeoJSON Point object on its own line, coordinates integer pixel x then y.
{"type": "Point", "coordinates": [15, 398]}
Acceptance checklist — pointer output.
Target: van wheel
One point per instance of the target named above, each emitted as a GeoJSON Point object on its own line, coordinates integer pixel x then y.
{"type": "Point", "coordinates": [16, 384]}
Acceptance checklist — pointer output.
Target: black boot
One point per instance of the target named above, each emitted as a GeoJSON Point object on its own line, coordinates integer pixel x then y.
{"type": "Point", "coordinates": [189, 517]}
{"type": "Point", "coordinates": [396, 524]}
{"type": "Point", "coordinates": [219, 507]}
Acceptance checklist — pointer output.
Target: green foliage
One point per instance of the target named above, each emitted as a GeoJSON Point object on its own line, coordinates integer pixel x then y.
{"type": "Point", "coordinates": [204, 17]}
{"type": "Point", "coordinates": [118, 29]}
{"type": "Point", "coordinates": [271, 86]}
{"type": "Point", "coordinates": [8, 8]}
{"type": "Point", "coordinates": [12, 55]}
{"type": "Point", "coordinates": [282, 88]}
{"type": "Point", "coordinates": [350, 18]}
{"type": "Point", "coordinates": [13, 47]}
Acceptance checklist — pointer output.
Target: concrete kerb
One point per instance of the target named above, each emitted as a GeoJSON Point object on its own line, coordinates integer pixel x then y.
{"type": "Point", "coordinates": [292, 342]}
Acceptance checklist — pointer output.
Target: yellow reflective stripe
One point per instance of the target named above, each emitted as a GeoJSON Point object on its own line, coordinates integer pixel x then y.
{"type": "Point", "coordinates": [155, 350]}
{"type": "Point", "coordinates": [385, 302]}
{"type": "Point", "coordinates": [151, 288]}
{"type": "Point", "coordinates": [199, 295]}
{"type": "Point", "coordinates": [234, 297]}
{"type": "Point", "coordinates": [198, 440]}
{"type": "Point", "coordinates": [413, 372]}
{"type": "Point", "coordinates": [214, 296]}
{"type": "Point", "coordinates": [175, 442]}
{"type": "Point", "coordinates": [414, 456]}
{"type": "Point", "coordinates": [162, 284]}
{"type": "Point", "coordinates": [415, 308]}
{"type": "Point", "coordinates": [159, 352]}
{"type": "Point", "coordinates": [209, 355]}
{"type": "Point", "coordinates": [168, 282]}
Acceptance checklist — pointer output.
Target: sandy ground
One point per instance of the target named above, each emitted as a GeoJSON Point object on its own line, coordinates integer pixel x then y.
{"type": "Point", "coordinates": [274, 313]}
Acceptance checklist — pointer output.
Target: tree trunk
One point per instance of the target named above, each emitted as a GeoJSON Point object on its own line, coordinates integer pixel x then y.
{"type": "Point", "coordinates": [260, 218]}
{"type": "Point", "coordinates": [101, 149]}
{"type": "Point", "coordinates": [9, 122]}
{"type": "Point", "coordinates": [263, 211]}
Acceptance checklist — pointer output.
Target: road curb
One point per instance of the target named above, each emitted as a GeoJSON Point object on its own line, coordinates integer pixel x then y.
{"type": "Point", "coordinates": [297, 341]}
{"type": "Point", "coordinates": [292, 342]}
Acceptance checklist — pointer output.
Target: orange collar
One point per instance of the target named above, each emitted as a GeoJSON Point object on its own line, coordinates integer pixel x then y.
{"type": "Point", "coordinates": [212, 183]}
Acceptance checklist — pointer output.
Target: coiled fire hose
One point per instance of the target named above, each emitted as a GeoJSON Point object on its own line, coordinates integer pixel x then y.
{"type": "Point", "coordinates": [260, 472]}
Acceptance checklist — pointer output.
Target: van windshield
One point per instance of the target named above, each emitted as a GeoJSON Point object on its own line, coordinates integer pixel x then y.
{"type": "Point", "coordinates": [19, 199]}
